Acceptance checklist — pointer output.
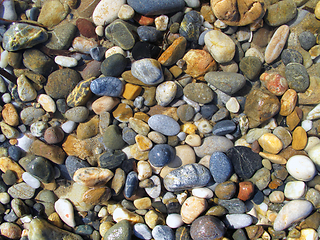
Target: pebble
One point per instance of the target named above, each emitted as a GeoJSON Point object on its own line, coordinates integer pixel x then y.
{"type": "Point", "coordinates": [113, 66]}
{"type": "Point", "coordinates": [106, 11]}
{"type": "Point", "coordinates": [225, 190]}
{"type": "Point", "coordinates": [246, 191]}
{"type": "Point", "coordinates": [202, 193]}
{"type": "Point", "coordinates": [270, 143]}
{"type": "Point", "coordinates": [190, 26]}
{"type": "Point", "coordinates": [237, 221]}
{"type": "Point", "coordinates": [168, 126]}
{"type": "Point", "coordinates": [21, 190]}
{"type": "Point", "coordinates": [198, 92]}
{"type": "Point", "coordinates": [276, 44]}
{"type": "Point", "coordinates": [142, 231]}
{"type": "Point", "coordinates": [161, 154]}
{"type": "Point", "coordinates": [162, 232]}
{"type": "Point", "coordinates": [192, 208]}
{"type": "Point", "coordinates": [222, 52]}
{"type": "Point", "coordinates": [291, 55]}
{"type": "Point", "coordinates": [301, 167]}
{"type": "Point", "coordinates": [313, 153]}
{"type": "Point", "coordinates": [207, 227]}
{"type": "Point", "coordinates": [250, 66]}
{"type": "Point", "coordinates": [291, 212]}
{"type": "Point", "coordinates": [148, 71]}
{"type": "Point", "coordinates": [107, 86]}
{"type": "Point", "coordinates": [165, 93]}
{"type": "Point", "coordinates": [297, 77]}
{"type": "Point", "coordinates": [66, 61]}
{"type": "Point", "coordinates": [220, 167]}
{"type": "Point", "coordinates": [188, 176]}
{"type": "Point", "coordinates": [275, 83]}
{"type": "Point", "coordinates": [148, 33]}
{"type": "Point", "coordinates": [65, 210]}
{"type": "Point", "coordinates": [174, 220]}
{"type": "Point", "coordinates": [213, 144]}
{"type": "Point", "coordinates": [77, 114]}
{"type": "Point", "coordinates": [157, 7]}
{"type": "Point", "coordinates": [41, 169]}
{"type": "Point", "coordinates": [121, 230]}
{"type": "Point", "coordinates": [294, 189]}
{"type": "Point", "coordinates": [92, 176]}
{"type": "Point", "coordinates": [155, 190]}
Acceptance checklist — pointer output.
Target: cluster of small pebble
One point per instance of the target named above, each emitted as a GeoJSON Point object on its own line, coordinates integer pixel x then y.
{"type": "Point", "coordinates": [160, 119]}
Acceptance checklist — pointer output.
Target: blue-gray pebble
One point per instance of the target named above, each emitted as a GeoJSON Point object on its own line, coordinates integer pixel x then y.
{"type": "Point", "coordinates": [142, 231]}
{"type": "Point", "coordinates": [73, 163]}
{"type": "Point", "coordinates": [234, 205]}
{"type": "Point", "coordinates": [14, 152]}
{"type": "Point", "coordinates": [190, 26]}
{"type": "Point", "coordinates": [147, 70]}
{"type": "Point", "coordinates": [97, 53]}
{"type": "Point", "coordinates": [220, 166]}
{"type": "Point", "coordinates": [164, 124]}
{"type": "Point", "coordinates": [223, 127]}
{"type": "Point", "coordinates": [148, 33]}
{"type": "Point", "coordinates": [131, 184]}
{"type": "Point", "coordinates": [208, 110]}
{"type": "Point", "coordinates": [186, 177]}
{"type": "Point", "coordinates": [161, 154]}
{"type": "Point", "coordinates": [307, 40]}
{"type": "Point", "coordinates": [156, 7]}
{"type": "Point", "coordinates": [107, 86]}
{"type": "Point", "coordinates": [163, 232]}
{"type": "Point", "coordinates": [291, 55]}
{"type": "Point", "coordinates": [128, 135]}
{"type": "Point", "coordinates": [297, 77]}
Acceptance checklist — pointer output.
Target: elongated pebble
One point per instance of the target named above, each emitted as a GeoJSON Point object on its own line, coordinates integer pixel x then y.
{"type": "Point", "coordinates": [66, 61]}
{"type": "Point", "coordinates": [202, 193]}
{"type": "Point", "coordinates": [237, 221]}
{"type": "Point", "coordinates": [276, 44]}
{"type": "Point", "coordinates": [47, 103]}
{"type": "Point", "coordinates": [301, 168]}
{"type": "Point", "coordinates": [164, 124]}
{"type": "Point", "coordinates": [64, 209]}
{"type": "Point", "coordinates": [30, 180]}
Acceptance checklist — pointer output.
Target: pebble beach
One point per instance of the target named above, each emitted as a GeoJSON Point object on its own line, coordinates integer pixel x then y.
{"type": "Point", "coordinates": [160, 119]}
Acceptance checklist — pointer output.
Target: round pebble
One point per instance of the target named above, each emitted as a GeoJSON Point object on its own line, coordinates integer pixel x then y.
{"type": "Point", "coordinates": [301, 168]}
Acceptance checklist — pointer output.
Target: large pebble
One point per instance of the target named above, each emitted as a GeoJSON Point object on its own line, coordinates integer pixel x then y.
{"type": "Point", "coordinates": [164, 124]}
{"type": "Point", "coordinates": [106, 12]}
{"type": "Point", "coordinates": [166, 92]}
{"type": "Point", "coordinates": [293, 211]}
{"type": "Point", "coordinates": [301, 168]}
{"type": "Point", "coordinates": [148, 71]}
{"type": "Point", "coordinates": [107, 86]}
{"type": "Point", "coordinates": [52, 13]}
{"type": "Point", "coordinates": [276, 44]}
{"type": "Point", "coordinates": [297, 77]}
{"type": "Point", "coordinates": [237, 221]}
{"type": "Point", "coordinates": [270, 143]}
{"type": "Point", "coordinates": [161, 154]}
{"type": "Point", "coordinates": [156, 7]}
{"type": "Point", "coordinates": [186, 177]}
{"type": "Point", "coordinates": [207, 228]}
{"type": "Point", "coordinates": [280, 13]}
{"type": "Point", "coordinates": [192, 208]}
{"type": "Point", "coordinates": [220, 167]}
{"type": "Point", "coordinates": [92, 176]}
{"type": "Point", "coordinates": [220, 45]}
{"type": "Point", "coordinates": [198, 92]}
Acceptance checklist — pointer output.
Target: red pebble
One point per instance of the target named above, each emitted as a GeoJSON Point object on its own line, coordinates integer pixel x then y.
{"type": "Point", "coordinates": [275, 83]}
{"type": "Point", "coordinates": [86, 28]}
{"type": "Point", "coordinates": [246, 190]}
{"type": "Point", "coordinates": [143, 20]}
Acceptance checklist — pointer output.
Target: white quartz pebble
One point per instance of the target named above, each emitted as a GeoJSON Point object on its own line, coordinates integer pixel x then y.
{"type": "Point", "coordinates": [154, 191]}
{"type": "Point", "coordinates": [30, 180]}
{"type": "Point", "coordinates": [6, 98]}
{"type": "Point", "coordinates": [4, 198]}
{"type": "Point", "coordinates": [314, 154]}
{"type": "Point", "coordinates": [237, 221]}
{"type": "Point", "coordinates": [301, 167]}
{"type": "Point", "coordinates": [233, 105]}
{"type": "Point", "coordinates": [126, 12]}
{"type": "Point", "coordinates": [25, 142]}
{"type": "Point", "coordinates": [66, 61]}
{"type": "Point", "coordinates": [47, 103]}
{"type": "Point", "coordinates": [99, 31]}
{"type": "Point", "coordinates": [202, 192]}
{"type": "Point", "coordinates": [293, 211]}
{"type": "Point", "coordinates": [144, 170]}
{"type": "Point", "coordinates": [4, 59]}
{"type": "Point", "coordinates": [294, 189]}
{"type": "Point", "coordinates": [166, 92]}
{"type": "Point", "coordinates": [68, 126]}
{"type": "Point", "coordinates": [193, 3]}
{"type": "Point", "coordinates": [174, 220]}
{"type": "Point", "coordinates": [161, 22]}
{"type": "Point", "coordinates": [312, 141]}
{"type": "Point", "coordinates": [306, 125]}
{"type": "Point", "coordinates": [64, 209]}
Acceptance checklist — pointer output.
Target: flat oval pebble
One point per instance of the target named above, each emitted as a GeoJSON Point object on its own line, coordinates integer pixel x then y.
{"type": "Point", "coordinates": [107, 86]}
{"type": "Point", "coordinates": [142, 231]}
{"type": "Point", "coordinates": [30, 180]}
{"type": "Point", "coordinates": [294, 189]}
{"type": "Point", "coordinates": [148, 71]}
{"type": "Point", "coordinates": [301, 168]}
{"type": "Point", "coordinates": [66, 61]}
{"type": "Point", "coordinates": [92, 176]}
{"type": "Point", "coordinates": [186, 177]}
{"type": "Point", "coordinates": [237, 221]}
{"type": "Point", "coordinates": [207, 228]}
{"type": "Point", "coordinates": [164, 124]}
{"type": "Point", "coordinates": [106, 11]}
{"type": "Point", "coordinates": [297, 77]}
{"type": "Point", "coordinates": [223, 127]}
{"type": "Point", "coordinates": [192, 208]}
{"type": "Point", "coordinates": [161, 154]}
{"type": "Point", "coordinates": [156, 7]}
{"type": "Point", "coordinates": [220, 167]}
{"type": "Point", "coordinates": [213, 144]}
{"type": "Point", "coordinates": [293, 211]}
{"type": "Point", "coordinates": [162, 232]}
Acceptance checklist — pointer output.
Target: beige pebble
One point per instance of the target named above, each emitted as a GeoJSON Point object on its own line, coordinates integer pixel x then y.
{"type": "Point", "coordinates": [205, 161]}
{"type": "Point", "coordinates": [270, 143]}
{"type": "Point", "coordinates": [114, 50]}
{"type": "Point", "coordinates": [194, 140]}
{"type": "Point", "coordinates": [203, 126]}
{"type": "Point", "coordinates": [143, 143]}
{"type": "Point", "coordinates": [139, 126]}
{"type": "Point", "coordinates": [253, 52]}
{"type": "Point", "coordinates": [161, 22]}
{"type": "Point", "coordinates": [273, 158]}
{"type": "Point", "coordinates": [314, 51]}
{"type": "Point", "coordinates": [233, 105]}
{"type": "Point", "coordinates": [266, 163]}
{"type": "Point", "coordinates": [276, 44]}
{"type": "Point", "coordinates": [126, 12]}
{"type": "Point", "coordinates": [309, 233]}
{"type": "Point", "coordinates": [276, 197]}
{"type": "Point", "coordinates": [317, 10]}
{"type": "Point", "coordinates": [142, 203]}
{"type": "Point", "coordinates": [124, 214]}
{"type": "Point", "coordinates": [92, 176]}
{"type": "Point", "coordinates": [312, 141]}
{"type": "Point", "coordinates": [104, 227]}
{"type": "Point", "coordinates": [153, 218]}
{"type": "Point", "coordinates": [99, 31]}
{"type": "Point", "coordinates": [157, 137]}
{"type": "Point", "coordinates": [83, 45]}
{"type": "Point", "coordinates": [10, 230]}
{"type": "Point", "coordinates": [47, 103]}
{"type": "Point", "coordinates": [231, 66]}
{"type": "Point", "coordinates": [144, 170]}
{"type": "Point", "coordinates": [8, 131]}
{"type": "Point", "coordinates": [104, 104]}
{"type": "Point", "coordinates": [192, 208]}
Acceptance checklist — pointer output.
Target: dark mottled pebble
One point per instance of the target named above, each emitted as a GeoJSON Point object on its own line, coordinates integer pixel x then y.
{"type": "Point", "coordinates": [131, 184]}
{"type": "Point", "coordinates": [251, 67]}
{"type": "Point", "coordinates": [307, 40]}
{"type": "Point", "coordinates": [128, 135]}
{"type": "Point", "coordinates": [121, 231]}
{"type": "Point", "coordinates": [84, 230]}
{"type": "Point", "coordinates": [161, 154]}
{"type": "Point", "coordinates": [73, 163]}
{"type": "Point", "coordinates": [291, 55]}
{"type": "Point", "coordinates": [183, 233]}
{"type": "Point", "coordinates": [220, 167]}
{"type": "Point", "coordinates": [145, 50]}
{"type": "Point", "coordinates": [112, 160]}
{"type": "Point", "coordinates": [156, 7]}
{"type": "Point", "coordinates": [113, 65]}
{"type": "Point", "coordinates": [190, 26]}
{"type": "Point", "coordinates": [223, 127]}
{"type": "Point", "coordinates": [239, 234]}
{"type": "Point", "coordinates": [9, 177]}
{"type": "Point", "coordinates": [128, 165]}
{"type": "Point", "coordinates": [41, 169]}
{"type": "Point", "coordinates": [107, 86]}
{"type": "Point", "coordinates": [235, 205]}
{"type": "Point", "coordinates": [173, 207]}
{"type": "Point", "coordinates": [185, 112]}
{"type": "Point", "coordinates": [159, 206]}
{"type": "Point", "coordinates": [62, 105]}
{"type": "Point", "coordinates": [207, 228]}
{"type": "Point", "coordinates": [14, 152]}
{"type": "Point", "coordinates": [208, 110]}
{"type": "Point", "coordinates": [112, 138]}
{"type": "Point", "coordinates": [297, 77]}
{"type": "Point", "coordinates": [97, 53]}
{"type": "Point", "coordinates": [244, 161]}
{"type": "Point", "coordinates": [148, 34]}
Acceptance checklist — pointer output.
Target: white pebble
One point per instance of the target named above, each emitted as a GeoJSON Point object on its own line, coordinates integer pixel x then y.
{"type": "Point", "coordinates": [114, 50]}
{"type": "Point", "coordinates": [312, 141]}
{"type": "Point", "coordinates": [174, 220]}
{"type": "Point", "coordinates": [181, 197]}
{"type": "Point", "coordinates": [144, 170]}
{"type": "Point", "coordinates": [219, 24]}
{"type": "Point", "coordinates": [64, 209]}
{"type": "Point", "coordinates": [99, 31]}
{"type": "Point", "coordinates": [154, 191]}
{"type": "Point", "coordinates": [126, 12]}
{"type": "Point", "coordinates": [294, 189]}
{"type": "Point", "coordinates": [2, 138]}
{"type": "Point", "coordinates": [181, 136]}
{"type": "Point", "coordinates": [203, 126]}
{"type": "Point", "coordinates": [161, 22]}
{"type": "Point", "coordinates": [306, 125]}
{"type": "Point", "coordinates": [47, 103]}
{"type": "Point", "coordinates": [26, 219]}
{"type": "Point", "coordinates": [193, 3]}
{"type": "Point", "coordinates": [233, 105]}
{"type": "Point", "coordinates": [68, 126]}
{"type": "Point", "coordinates": [301, 168]}
{"type": "Point", "coordinates": [237, 221]}
{"type": "Point", "coordinates": [66, 61]}
{"type": "Point", "coordinates": [103, 212]}
{"type": "Point", "coordinates": [4, 59]}
{"type": "Point", "coordinates": [4, 198]}
{"type": "Point", "coordinates": [25, 142]}
{"type": "Point", "coordinates": [202, 193]}
{"type": "Point", "coordinates": [30, 180]}
{"type": "Point", "coordinates": [6, 98]}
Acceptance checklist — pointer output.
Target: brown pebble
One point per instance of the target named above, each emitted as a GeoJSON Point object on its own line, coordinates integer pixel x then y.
{"type": "Point", "coordinates": [225, 190]}
{"type": "Point", "coordinates": [246, 191]}
{"type": "Point", "coordinates": [53, 135]}
{"type": "Point", "coordinates": [10, 230]}
{"type": "Point", "coordinates": [10, 115]}
{"type": "Point", "coordinates": [299, 138]}
{"type": "Point", "coordinates": [288, 102]}
{"type": "Point", "coordinates": [99, 195]}
{"type": "Point", "coordinates": [52, 152]}
{"type": "Point", "coordinates": [86, 28]}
